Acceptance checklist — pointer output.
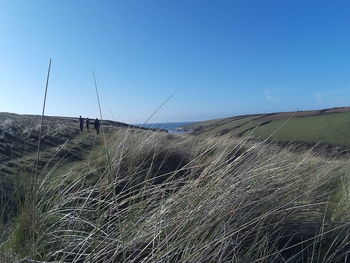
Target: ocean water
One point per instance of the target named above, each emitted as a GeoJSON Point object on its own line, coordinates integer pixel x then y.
{"type": "Point", "coordinates": [169, 126]}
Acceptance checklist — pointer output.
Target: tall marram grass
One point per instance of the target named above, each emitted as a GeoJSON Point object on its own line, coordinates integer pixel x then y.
{"type": "Point", "coordinates": [165, 198]}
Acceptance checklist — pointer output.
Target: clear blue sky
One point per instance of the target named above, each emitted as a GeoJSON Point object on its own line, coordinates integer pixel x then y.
{"type": "Point", "coordinates": [223, 58]}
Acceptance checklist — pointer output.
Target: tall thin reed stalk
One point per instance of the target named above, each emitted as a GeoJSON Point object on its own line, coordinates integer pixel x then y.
{"type": "Point", "coordinates": [159, 107]}
{"type": "Point", "coordinates": [101, 117]}
{"type": "Point", "coordinates": [35, 178]}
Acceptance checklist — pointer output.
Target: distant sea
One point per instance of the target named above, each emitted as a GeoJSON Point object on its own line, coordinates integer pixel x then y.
{"type": "Point", "coordinates": [169, 126]}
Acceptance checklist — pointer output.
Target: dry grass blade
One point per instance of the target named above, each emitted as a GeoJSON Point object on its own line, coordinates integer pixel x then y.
{"type": "Point", "coordinates": [35, 182]}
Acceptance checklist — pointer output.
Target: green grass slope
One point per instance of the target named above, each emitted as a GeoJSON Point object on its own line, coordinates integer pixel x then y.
{"type": "Point", "coordinates": [329, 126]}
{"type": "Point", "coordinates": [221, 126]}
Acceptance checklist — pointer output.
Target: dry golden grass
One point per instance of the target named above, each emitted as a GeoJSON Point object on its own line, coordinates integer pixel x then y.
{"type": "Point", "coordinates": [164, 198]}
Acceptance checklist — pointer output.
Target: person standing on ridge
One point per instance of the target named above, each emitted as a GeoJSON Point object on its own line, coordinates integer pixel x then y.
{"type": "Point", "coordinates": [87, 124]}
{"type": "Point", "coordinates": [97, 126]}
{"type": "Point", "coordinates": [81, 123]}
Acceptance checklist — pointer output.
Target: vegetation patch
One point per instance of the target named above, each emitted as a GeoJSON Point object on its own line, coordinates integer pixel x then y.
{"type": "Point", "coordinates": [155, 197]}
{"type": "Point", "coordinates": [328, 128]}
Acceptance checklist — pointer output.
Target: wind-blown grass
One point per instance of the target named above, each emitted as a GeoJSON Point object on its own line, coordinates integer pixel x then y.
{"type": "Point", "coordinates": [164, 198]}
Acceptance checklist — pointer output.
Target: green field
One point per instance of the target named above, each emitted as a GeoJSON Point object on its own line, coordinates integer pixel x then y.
{"type": "Point", "coordinates": [330, 126]}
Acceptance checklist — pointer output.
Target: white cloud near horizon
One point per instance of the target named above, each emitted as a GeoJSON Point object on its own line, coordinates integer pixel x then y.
{"type": "Point", "coordinates": [270, 97]}
{"type": "Point", "coordinates": [318, 97]}
{"type": "Point", "coordinates": [333, 97]}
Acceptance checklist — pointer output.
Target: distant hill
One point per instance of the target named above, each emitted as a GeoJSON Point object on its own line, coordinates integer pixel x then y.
{"type": "Point", "coordinates": [328, 126]}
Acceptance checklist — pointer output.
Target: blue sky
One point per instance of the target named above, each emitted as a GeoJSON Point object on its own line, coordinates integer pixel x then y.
{"type": "Point", "coordinates": [223, 58]}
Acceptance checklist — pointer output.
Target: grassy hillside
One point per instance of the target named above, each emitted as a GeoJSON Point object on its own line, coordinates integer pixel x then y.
{"type": "Point", "coordinates": [330, 126]}
{"type": "Point", "coordinates": [61, 142]}
{"type": "Point", "coordinates": [156, 197]}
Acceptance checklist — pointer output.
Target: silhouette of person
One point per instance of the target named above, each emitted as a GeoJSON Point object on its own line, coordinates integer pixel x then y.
{"type": "Point", "coordinates": [87, 124]}
{"type": "Point", "coordinates": [81, 123]}
{"type": "Point", "coordinates": [97, 126]}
